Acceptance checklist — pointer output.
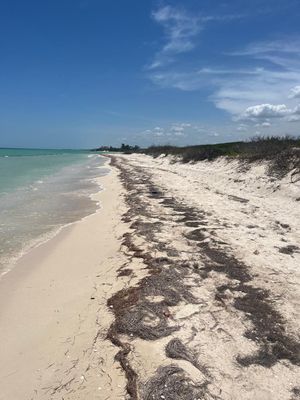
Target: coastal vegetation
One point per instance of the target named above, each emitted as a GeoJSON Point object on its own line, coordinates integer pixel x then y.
{"type": "Point", "coordinates": [125, 148]}
{"type": "Point", "coordinates": [257, 148]}
{"type": "Point", "coordinates": [282, 153]}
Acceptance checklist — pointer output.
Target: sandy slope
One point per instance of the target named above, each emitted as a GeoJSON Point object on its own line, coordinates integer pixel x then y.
{"type": "Point", "coordinates": [257, 216]}
{"type": "Point", "coordinates": [218, 315]}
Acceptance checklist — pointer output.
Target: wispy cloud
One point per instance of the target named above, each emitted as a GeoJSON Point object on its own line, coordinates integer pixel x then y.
{"type": "Point", "coordinates": [187, 81]}
{"type": "Point", "coordinates": [268, 89]}
{"type": "Point", "coordinates": [284, 52]}
{"type": "Point", "coordinates": [178, 133]}
{"type": "Point", "coordinates": [263, 125]}
{"type": "Point", "coordinates": [176, 129]}
{"type": "Point", "coordinates": [271, 87]}
{"type": "Point", "coordinates": [198, 78]}
{"type": "Point", "coordinates": [295, 92]}
{"type": "Point", "coordinates": [180, 29]}
{"type": "Point", "coordinates": [242, 128]}
{"type": "Point", "coordinates": [272, 90]}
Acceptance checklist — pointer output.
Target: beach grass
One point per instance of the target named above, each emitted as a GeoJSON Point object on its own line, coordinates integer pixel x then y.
{"type": "Point", "coordinates": [282, 152]}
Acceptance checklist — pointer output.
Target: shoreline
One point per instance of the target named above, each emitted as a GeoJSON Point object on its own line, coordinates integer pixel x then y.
{"type": "Point", "coordinates": [50, 304]}
{"type": "Point", "coordinates": [39, 241]}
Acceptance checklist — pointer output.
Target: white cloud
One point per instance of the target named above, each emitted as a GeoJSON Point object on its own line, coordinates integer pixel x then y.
{"type": "Point", "coordinates": [265, 125]}
{"type": "Point", "coordinates": [214, 134]}
{"type": "Point", "coordinates": [157, 131]}
{"type": "Point", "coordinates": [297, 110]}
{"type": "Point", "coordinates": [271, 85]}
{"type": "Point", "coordinates": [229, 71]}
{"type": "Point", "coordinates": [283, 53]}
{"type": "Point", "coordinates": [295, 115]}
{"type": "Point", "coordinates": [262, 111]}
{"type": "Point", "coordinates": [199, 78]}
{"type": "Point", "coordinates": [185, 125]}
{"type": "Point", "coordinates": [263, 48]}
{"type": "Point", "coordinates": [295, 92]}
{"type": "Point", "coordinates": [180, 30]}
{"type": "Point", "coordinates": [266, 91]}
{"type": "Point", "coordinates": [178, 129]}
{"type": "Point", "coordinates": [242, 128]}
{"type": "Point", "coordinates": [181, 133]}
{"type": "Point", "coordinates": [265, 87]}
{"type": "Point", "coordinates": [235, 90]}
{"type": "Point", "coordinates": [186, 81]}
{"type": "Point", "coordinates": [293, 118]}
{"type": "Point", "coordinates": [173, 130]}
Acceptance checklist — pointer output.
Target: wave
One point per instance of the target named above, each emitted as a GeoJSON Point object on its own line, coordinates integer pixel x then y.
{"type": "Point", "coordinates": [35, 209]}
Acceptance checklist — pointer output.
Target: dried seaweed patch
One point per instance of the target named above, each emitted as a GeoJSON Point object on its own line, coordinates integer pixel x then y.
{"type": "Point", "coordinates": [196, 235]}
{"type": "Point", "coordinates": [176, 350]}
{"type": "Point", "coordinates": [290, 249]}
{"type": "Point", "coordinates": [125, 272]}
{"type": "Point", "coordinates": [171, 382]}
{"type": "Point", "coordinates": [268, 331]}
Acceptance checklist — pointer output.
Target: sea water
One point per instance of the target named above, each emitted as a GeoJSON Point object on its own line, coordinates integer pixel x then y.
{"type": "Point", "coordinates": [40, 192]}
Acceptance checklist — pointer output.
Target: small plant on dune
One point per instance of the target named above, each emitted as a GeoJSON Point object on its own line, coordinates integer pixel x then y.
{"type": "Point", "coordinates": [283, 153]}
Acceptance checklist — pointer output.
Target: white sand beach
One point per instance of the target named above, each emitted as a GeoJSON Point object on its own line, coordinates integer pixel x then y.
{"type": "Point", "coordinates": [184, 285]}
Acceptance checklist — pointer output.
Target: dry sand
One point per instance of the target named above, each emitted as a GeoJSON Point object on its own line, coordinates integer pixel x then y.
{"type": "Point", "coordinates": [185, 286]}
{"type": "Point", "coordinates": [218, 315]}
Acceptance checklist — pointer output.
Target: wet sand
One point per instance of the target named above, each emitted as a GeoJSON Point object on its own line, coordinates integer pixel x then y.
{"type": "Point", "coordinates": [53, 314]}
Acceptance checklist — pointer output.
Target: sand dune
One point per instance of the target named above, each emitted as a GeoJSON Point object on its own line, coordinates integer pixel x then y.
{"type": "Point", "coordinates": [218, 315]}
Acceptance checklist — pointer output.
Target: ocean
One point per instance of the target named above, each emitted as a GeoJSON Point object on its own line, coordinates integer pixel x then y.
{"type": "Point", "coordinates": [40, 192]}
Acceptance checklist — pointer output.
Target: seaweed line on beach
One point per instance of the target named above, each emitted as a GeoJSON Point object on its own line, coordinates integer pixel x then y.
{"type": "Point", "coordinates": [138, 317]}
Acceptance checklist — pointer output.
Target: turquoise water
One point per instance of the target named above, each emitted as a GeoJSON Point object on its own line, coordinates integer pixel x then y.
{"type": "Point", "coordinates": [41, 191]}
{"type": "Point", "coordinates": [22, 166]}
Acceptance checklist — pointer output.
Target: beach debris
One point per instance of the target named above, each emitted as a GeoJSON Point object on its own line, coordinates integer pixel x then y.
{"type": "Point", "coordinates": [169, 279]}
{"type": "Point", "coordinates": [289, 249]}
{"type": "Point", "coordinates": [176, 350]}
{"type": "Point", "coordinates": [172, 382]}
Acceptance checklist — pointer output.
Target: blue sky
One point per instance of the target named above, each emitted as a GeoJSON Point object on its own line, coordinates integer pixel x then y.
{"type": "Point", "coordinates": [82, 73]}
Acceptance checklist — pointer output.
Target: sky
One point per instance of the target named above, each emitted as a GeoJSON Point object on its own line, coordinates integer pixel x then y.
{"type": "Point", "coordinates": [86, 73]}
